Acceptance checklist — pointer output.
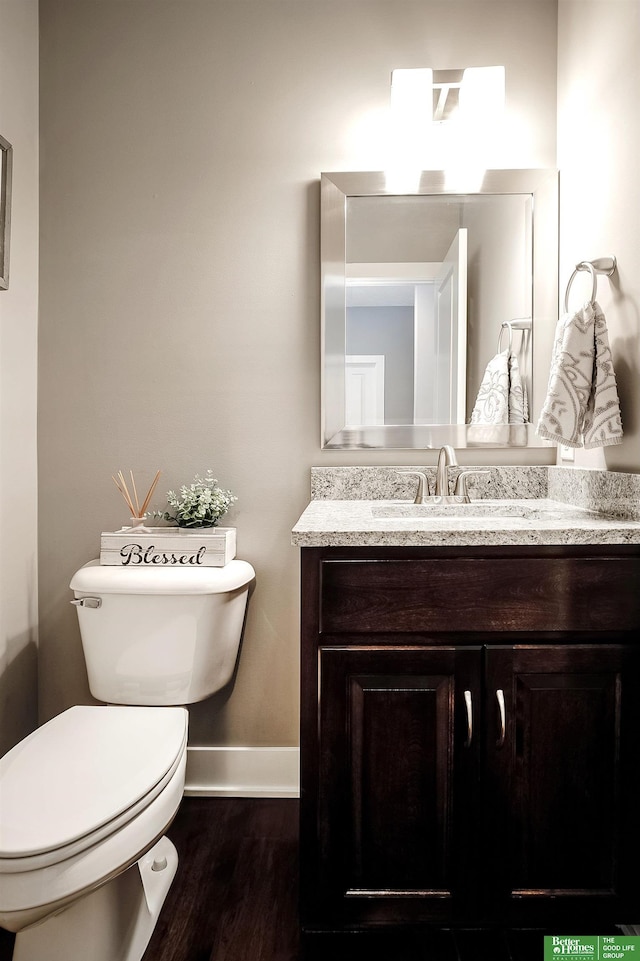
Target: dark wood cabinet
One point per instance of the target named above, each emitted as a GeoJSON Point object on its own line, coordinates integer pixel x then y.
{"type": "Point", "coordinates": [468, 745]}
{"type": "Point", "coordinates": [559, 790]}
{"type": "Point", "coordinates": [393, 834]}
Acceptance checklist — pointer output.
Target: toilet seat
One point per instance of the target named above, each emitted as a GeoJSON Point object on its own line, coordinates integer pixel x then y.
{"type": "Point", "coordinates": [82, 776]}
{"type": "Point", "coordinates": [32, 886]}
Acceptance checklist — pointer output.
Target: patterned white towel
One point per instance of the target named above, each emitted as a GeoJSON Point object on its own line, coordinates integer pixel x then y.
{"type": "Point", "coordinates": [582, 407]}
{"type": "Point", "coordinates": [502, 398]}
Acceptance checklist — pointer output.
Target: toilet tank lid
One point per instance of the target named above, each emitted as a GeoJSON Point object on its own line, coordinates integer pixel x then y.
{"type": "Point", "coordinates": [97, 578]}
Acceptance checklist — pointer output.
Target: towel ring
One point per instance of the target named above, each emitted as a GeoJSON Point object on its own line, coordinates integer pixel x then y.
{"type": "Point", "coordinates": [594, 283]}
{"type": "Point", "coordinates": [522, 323]}
{"type": "Point", "coordinates": [603, 265]}
{"type": "Point", "coordinates": [506, 324]}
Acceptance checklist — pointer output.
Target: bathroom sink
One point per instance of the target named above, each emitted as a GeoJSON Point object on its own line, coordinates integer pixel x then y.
{"type": "Point", "coordinates": [474, 509]}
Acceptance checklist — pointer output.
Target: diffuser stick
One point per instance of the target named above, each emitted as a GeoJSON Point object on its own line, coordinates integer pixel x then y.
{"type": "Point", "coordinates": [135, 494]}
{"type": "Point", "coordinates": [150, 492]}
{"type": "Point", "coordinates": [133, 503]}
{"type": "Point", "coordinates": [122, 487]}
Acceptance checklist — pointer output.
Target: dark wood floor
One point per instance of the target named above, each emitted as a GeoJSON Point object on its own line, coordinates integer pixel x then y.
{"type": "Point", "coordinates": [234, 898]}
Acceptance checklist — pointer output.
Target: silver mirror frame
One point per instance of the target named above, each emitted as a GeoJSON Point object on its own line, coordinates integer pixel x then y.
{"type": "Point", "coordinates": [335, 189]}
{"type": "Point", "coordinates": [6, 161]}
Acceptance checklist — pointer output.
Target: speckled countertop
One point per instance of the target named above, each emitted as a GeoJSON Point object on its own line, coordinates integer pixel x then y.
{"type": "Point", "coordinates": [336, 516]}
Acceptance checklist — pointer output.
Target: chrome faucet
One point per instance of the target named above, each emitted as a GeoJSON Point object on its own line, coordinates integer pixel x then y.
{"type": "Point", "coordinates": [442, 493]}
{"type": "Point", "coordinates": [446, 459]}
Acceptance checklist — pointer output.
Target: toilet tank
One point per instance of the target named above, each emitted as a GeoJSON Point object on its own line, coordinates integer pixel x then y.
{"type": "Point", "coordinates": [160, 636]}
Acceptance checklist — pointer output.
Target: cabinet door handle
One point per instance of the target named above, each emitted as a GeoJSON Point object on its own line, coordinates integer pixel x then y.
{"type": "Point", "coordinates": [469, 706]}
{"type": "Point", "coordinates": [501, 708]}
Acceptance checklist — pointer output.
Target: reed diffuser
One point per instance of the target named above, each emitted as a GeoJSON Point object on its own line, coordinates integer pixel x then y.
{"type": "Point", "coordinates": [138, 511]}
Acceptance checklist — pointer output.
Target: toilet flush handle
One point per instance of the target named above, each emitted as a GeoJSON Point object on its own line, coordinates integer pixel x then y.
{"type": "Point", "coordinates": [93, 602]}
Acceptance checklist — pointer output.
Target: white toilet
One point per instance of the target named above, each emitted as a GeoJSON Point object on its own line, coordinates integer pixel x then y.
{"type": "Point", "coordinates": [86, 798]}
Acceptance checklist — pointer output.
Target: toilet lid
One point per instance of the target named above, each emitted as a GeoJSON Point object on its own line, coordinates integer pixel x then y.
{"type": "Point", "coordinates": [82, 769]}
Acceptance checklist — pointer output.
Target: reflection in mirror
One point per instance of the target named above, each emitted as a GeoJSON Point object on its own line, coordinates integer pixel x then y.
{"type": "Point", "coordinates": [416, 289]}
{"type": "Point", "coordinates": [413, 316]}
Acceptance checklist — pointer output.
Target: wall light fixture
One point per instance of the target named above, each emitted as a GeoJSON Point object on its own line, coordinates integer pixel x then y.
{"type": "Point", "coordinates": [441, 118]}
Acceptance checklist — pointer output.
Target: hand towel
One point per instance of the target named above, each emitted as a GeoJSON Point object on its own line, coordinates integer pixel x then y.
{"type": "Point", "coordinates": [582, 407]}
{"type": "Point", "coordinates": [501, 410]}
{"type": "Point", "coordinates": [502, 398]}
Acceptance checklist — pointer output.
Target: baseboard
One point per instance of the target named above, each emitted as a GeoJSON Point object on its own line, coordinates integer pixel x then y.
{"type": "Point", "coordinates": [242, 772]}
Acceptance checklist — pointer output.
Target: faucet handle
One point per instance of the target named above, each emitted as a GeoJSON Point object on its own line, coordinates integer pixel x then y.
{"type": "Point", "coordinates": [423, 484]}
{"type": "Point", "coordinates": [461, 483]}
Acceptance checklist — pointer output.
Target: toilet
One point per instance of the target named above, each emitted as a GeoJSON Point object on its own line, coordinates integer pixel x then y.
{"type": "Point", "coordinates": [86, 798]}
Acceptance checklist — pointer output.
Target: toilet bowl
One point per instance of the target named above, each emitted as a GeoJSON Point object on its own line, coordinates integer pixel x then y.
{"type": "Point", "coordinates": [85, 794]}
{"type": "Point", "coordinates": [84, 798]}
{"type": "Point", "coordinates": [87, 797]}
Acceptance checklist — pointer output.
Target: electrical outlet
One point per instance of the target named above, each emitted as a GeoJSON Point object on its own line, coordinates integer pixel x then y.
{"type": "Point", "coordinates": [567, 453]}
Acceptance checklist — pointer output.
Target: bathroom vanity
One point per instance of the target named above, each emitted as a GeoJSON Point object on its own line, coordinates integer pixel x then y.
{"type": "Point", "coordinates": [469, 716]}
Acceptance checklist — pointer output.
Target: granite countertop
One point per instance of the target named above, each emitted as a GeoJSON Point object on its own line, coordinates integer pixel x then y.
{"type": "Point", "coordinates": [343, 523]}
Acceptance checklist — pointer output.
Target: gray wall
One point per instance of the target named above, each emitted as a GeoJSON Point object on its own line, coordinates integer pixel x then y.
{"type": "Point", "coordinates": [387, 331]}
{"type": "Point", "coordinates": [182, 143]}
{"type": "Point", "coordinates": [598, 143]}
{"type": "Point", "coordinates": [18, 371]}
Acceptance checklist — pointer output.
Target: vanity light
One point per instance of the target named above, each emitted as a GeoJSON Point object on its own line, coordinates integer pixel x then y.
{"type": "Point", "coordinates": [421, 96]}
{"type": "Point", "coordinates": [441, 116]}
{"type": "Point", "coordinates": [411, 120]}
{"type": "Point", "coordinates": [475, 128]}
{"type": "Point", "coordinates": [482, 97]}
{"type": "Point", "coordinates": [411, 97]}
{"type": "Point", "coordinates": [446, 94]}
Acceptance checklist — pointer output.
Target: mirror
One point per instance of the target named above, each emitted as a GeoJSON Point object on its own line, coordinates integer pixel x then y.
{"type": "Point", "coordinates": [420, 290]}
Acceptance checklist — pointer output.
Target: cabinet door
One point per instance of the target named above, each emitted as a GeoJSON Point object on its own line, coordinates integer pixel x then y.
{"type": "Point", "coordinates": [560, 782]}
{"type": "Point", "coordinates": [399, 772]}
